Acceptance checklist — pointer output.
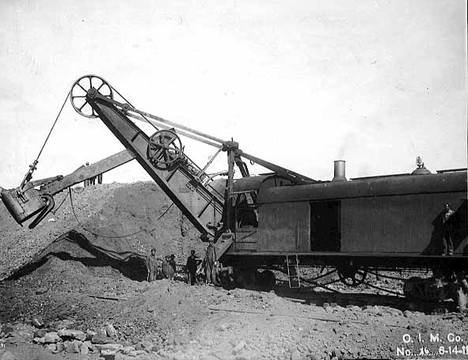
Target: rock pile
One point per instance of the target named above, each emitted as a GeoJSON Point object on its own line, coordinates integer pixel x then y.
{"type": "Point", "coordinates": [104, 342]}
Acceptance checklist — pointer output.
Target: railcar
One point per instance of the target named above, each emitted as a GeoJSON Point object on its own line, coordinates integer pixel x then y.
{"type": "Point", "coordinates": [382, 223]}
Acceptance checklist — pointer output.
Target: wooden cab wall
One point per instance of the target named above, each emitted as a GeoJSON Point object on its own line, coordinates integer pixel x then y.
{"type": "Point", "coordinates": [396, 214]}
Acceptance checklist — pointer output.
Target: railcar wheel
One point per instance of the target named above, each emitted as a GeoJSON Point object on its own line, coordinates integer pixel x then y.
{"type": "Point", "coordinates": [245, 278]}
{"type": "Point", "coordinates": [413, 289]}
{"type": "Point", "coordinates": [80, 89]}
{"type": "Point", "coordinates": [266, 280]}
{"type": "Point", "coordinates": [164, 149]}
{"type": "Point", "coordinates": [352, 275]}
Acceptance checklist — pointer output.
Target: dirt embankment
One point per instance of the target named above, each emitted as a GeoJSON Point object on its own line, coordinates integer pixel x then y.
{"type": "Point", "coordinates": [119, 218]}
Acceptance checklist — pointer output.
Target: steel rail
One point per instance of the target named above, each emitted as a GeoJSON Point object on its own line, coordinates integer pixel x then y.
{"type": "Point", "coordinates": [181, 132]}
{"type": "Point", "coordinates": [129, 108]}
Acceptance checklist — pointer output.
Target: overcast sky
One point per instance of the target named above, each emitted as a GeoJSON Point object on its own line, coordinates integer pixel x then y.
{"type": "Point", "coordinates": [298, 83]}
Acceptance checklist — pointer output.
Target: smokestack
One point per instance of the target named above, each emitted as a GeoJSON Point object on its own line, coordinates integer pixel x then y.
{"type": "Point", "coordinates": [340, 171]}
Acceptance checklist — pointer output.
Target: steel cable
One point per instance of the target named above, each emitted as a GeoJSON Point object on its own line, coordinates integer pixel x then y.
{"type": "Point", "coordinates": [53, 126]}
{"type": "Point", "coordinates": [63, 200]}
{"type": "Point", "coordinates": [128, 102]}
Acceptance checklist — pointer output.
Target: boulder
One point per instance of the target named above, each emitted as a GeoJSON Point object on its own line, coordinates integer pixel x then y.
{"type": "Point", "coordinates": [52, 347]}
{"type": "Point", "coordinates": [109, 347]}
{"type": "Point", "coordinates": [146, 345]}
{"type": "Point", "coordinates": [39, 340]}
{"type": "Point", "coordinates": [63, 324]}
{"type": "Point", "coordinates": [84, 349]}
{"type": "Point", "coordinates": [72, 347]}
{"type": "Point", "coordinates": [90, 334]}
{"type": "Point", "coordinates": [110, 330]}
{"type": "Point", "coordinates": [128, 349]}
{"type": "Point", "coordinates": [137, 352]}
{"type": "Point", "coordinates": [51, 337]}
{"type": "Point", "coordinates": [37, 322]}
{"type": "Point", "coordinates": [101, 339]}
{"type": "Point", "coordinates": [40, 333]}
{"type": "Point", "coordinates": [72, 334]}
{"type": "Point", "coordinates": [90, 346]}
{"type": "Point", "coordinates": [59, 347]}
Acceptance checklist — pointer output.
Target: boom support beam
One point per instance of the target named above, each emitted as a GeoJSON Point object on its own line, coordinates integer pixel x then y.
{"type": "Point", "coordinates": [86, 172]}
{"type": "Point", "coordinates": [201, 205]}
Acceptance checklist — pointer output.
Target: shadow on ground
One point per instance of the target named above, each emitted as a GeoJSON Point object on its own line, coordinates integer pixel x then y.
{"type": "Point", "coordinates": [315, 296]}
{"type": "Point", "coordinates": [129, 264]}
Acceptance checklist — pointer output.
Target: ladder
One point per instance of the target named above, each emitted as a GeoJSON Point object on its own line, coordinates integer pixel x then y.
{"type": "Point", "coordinates": [294, 276]}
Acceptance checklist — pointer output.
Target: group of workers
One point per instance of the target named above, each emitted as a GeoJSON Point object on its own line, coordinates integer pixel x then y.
{"type": "Point", "coordinates": [193, 267]}
{"type": "Point", "coordinates": [168, 266]}
{"type": "Point", "coordinates": [92, 180]}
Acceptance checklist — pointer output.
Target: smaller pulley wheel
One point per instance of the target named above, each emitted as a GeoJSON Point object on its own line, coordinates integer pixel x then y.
{"type": "Point", "coordinates": [164, 149]}
{"type": "Point", "coordinates": [80, 90]}
{"type": "Point", "coordinates": [352, 275]}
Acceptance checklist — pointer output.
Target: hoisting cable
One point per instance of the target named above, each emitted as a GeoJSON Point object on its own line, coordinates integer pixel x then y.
{"type": "Point", "coordinates": [113, 237]}
{"type": "Point", "coordinates": [128, 102]}
{"type": "Point", "coordinates": [63, 200]}
{"type": "Point", "coordinates": [32, 167]}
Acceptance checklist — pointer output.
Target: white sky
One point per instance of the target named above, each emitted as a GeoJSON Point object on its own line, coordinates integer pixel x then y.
{"type": "Point", "coordinates": [297, 83]}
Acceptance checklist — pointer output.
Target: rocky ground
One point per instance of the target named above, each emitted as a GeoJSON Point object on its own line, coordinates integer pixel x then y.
{"type": "Point", "coordinates": [75, 288]}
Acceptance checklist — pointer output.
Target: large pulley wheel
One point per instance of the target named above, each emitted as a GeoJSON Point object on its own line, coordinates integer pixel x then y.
{"type": "Point", "coordinates": [81, 88]}
{"type": "Point", "coordinates": [352, 275]}
{"type": "Point", "coordinates": [164, 149]}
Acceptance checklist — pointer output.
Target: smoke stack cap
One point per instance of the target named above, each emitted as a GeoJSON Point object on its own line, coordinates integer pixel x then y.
{"type": "Point", "coordinates": [339, 171]}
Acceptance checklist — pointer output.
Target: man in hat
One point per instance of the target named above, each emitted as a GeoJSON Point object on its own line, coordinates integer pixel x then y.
{"type": "Point", "coordinates": [167, 269]}
{"type": "Point", "coordinates": [210, 259]}
{"type": "Point", "coordinates": [447, 230]}
{"type": "Point", "coordinates": [192, 264]}
{"type": "Point", "coordinates": [172, 262]}
{"type": "Point", "coordinates": [152, 266]}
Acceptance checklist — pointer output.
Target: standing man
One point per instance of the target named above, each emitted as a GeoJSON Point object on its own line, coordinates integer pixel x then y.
{"type": "Point", "coordinates": [447, 231]}
{"type": "Point", "coordinates": [172, 262]}
{"type": "Point", "coordinates": [192, 264]}
{"type": "Point", "coordinates": [92, 180]}
{"type": "Point", "coordinates": [86, 182]}
{"type": "Point", "coordinates": [152, 266]}
{"type": "Point", "coordinates": [210, 259]}
{"type": "Point", "coordinates": [167, 269]}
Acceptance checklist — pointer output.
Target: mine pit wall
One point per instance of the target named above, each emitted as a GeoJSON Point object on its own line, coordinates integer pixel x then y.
{"type": "Point", "coordinates": [397, 216]}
